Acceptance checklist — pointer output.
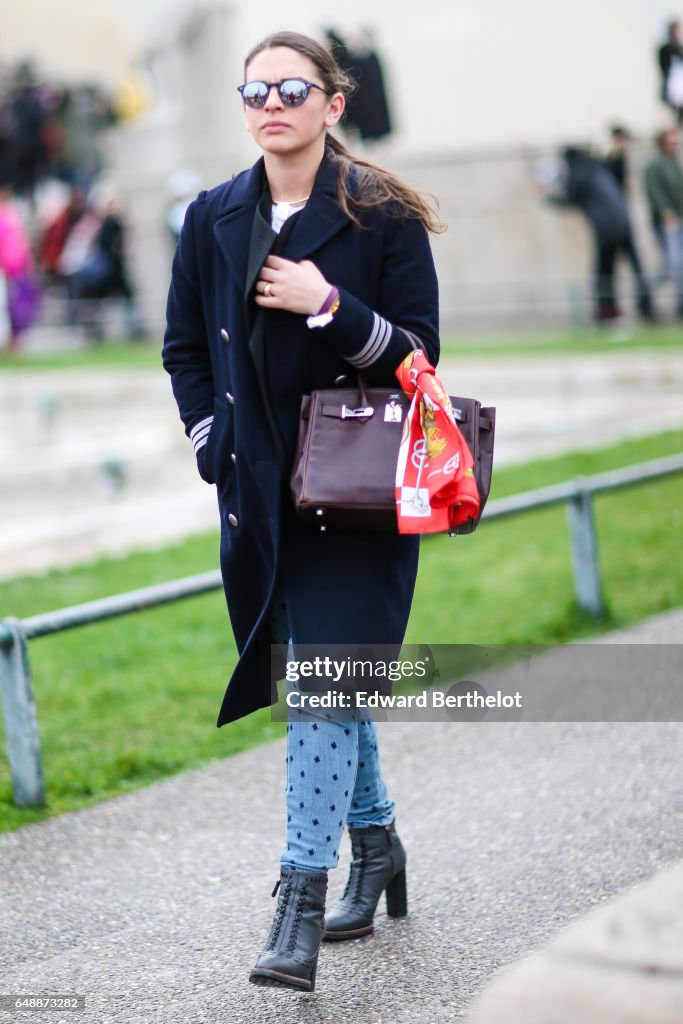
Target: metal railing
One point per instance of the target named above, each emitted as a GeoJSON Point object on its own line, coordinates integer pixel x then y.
{"type": "Point", "coordinates": [21, 722]}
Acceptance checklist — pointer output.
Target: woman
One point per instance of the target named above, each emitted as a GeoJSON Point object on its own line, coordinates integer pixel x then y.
{"type": "Point", "coordinates": [291, 277]}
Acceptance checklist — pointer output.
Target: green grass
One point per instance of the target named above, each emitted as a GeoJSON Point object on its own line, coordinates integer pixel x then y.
{"type": "Point", "coordinates": [552, 343]}
{"type": "Point", "coordinates": [511, 581]}
{"type": "Point", "coordinates": [115, 353]}
{"type": "Point", "coordinates": [126, 702]}
{"type": "Point", "coordinates": [537, 343]}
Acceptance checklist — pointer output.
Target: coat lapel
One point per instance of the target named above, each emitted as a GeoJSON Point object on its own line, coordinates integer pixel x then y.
{"type": "Point", "coordinates": [261, 242]}
{"type": "Point", "coordinates": [320, 220]}
{"type": "Point", "coordinates": [232, 230]}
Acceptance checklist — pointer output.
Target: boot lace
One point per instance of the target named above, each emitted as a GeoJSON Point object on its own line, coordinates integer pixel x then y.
{"type": "Point", "coordinates": [300, 907]}
{"type": "Point", "coordinates": [354, 882]}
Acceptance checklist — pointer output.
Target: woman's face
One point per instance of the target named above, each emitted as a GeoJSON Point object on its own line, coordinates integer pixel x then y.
{"type": "Point", "coordinates": [289, 131]}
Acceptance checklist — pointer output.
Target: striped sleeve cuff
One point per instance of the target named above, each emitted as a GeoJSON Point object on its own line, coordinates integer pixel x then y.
{"type": "Point", "coordinates": [375, 345]}
{"type": "Point", "coordinates": [199, 434]}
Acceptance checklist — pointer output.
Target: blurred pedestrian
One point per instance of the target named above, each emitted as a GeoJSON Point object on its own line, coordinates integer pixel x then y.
{"type": "Point", "coordinates": [670, 60]}
{"type": "Point", "coordinates": [617, 161]}
{"type": "Point", "coordinates": [56, 233]}
{"type": "Point", "coordinates": [19, 289]}
{"type": "Point", "coordinates": [590, 186]}
{"type": "Point", "coordinates": [77, 249]}
{"type": "Point", "coordinates": [617, 156]}
{"type": "Point", "coordinates": [664, 189]}
{"type": "Point", "coordinates": [27, 151]}
{"type": "Point", "coordinates": [368, 105]}
{"type": "Point", "coordinates": [105, 275]}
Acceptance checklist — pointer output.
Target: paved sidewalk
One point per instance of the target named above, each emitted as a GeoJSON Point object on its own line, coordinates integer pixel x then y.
{"type": "Point", "coordinates": [155, 905]}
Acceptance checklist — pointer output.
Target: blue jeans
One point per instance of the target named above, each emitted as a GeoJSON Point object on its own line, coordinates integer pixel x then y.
{"type": "Point", "coordinates": [333, 778]}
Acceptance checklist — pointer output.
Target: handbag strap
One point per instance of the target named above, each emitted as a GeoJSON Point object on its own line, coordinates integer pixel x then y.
{"type": "Point", "coordinates": [414, 341]}
{"type": "Point", "coordinates": [415, 344]}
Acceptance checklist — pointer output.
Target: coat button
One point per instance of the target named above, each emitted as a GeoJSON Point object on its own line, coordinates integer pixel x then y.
{"type": "Point", "coordinates": [230, 398]}
{"type": "Point", "coordinates": [233, 520]}
{"type": "Point", "coordinates": [233, 457]}
{"type": "Point", "coordinates": [340, 378]}
{"type": "Point", "coordinates": [224, 334]}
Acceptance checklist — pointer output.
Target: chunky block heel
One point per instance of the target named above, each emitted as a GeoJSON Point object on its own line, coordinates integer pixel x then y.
{"type": "Point", "coordinates": [378, 865]}
{"type": "Point", "coordinates": [397, 897]}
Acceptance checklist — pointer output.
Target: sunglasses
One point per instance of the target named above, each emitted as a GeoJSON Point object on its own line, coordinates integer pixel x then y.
{"type": "Point", "coordinates": [292, 91]}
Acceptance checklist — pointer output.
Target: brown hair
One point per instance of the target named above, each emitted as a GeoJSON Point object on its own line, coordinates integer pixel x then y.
{"type": "Point", "coordinates": [375, 186]}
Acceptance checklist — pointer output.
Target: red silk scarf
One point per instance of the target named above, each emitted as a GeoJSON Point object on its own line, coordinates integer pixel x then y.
{"type": "Point", "coordinates": [435, 485]}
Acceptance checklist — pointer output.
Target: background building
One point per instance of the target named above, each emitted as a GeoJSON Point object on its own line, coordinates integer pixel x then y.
{"type": "Point", "coordinates": [463, 74]}
{"type": "Point", "coordinates": [479, 90]}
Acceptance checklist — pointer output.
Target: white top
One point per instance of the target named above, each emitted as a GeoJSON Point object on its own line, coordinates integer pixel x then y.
{"type": "Point", "coordinates": [281, 211]}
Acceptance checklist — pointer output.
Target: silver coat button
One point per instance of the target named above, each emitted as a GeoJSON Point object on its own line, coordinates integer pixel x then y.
{"type": "Point", "coordinates": [229, 398]}
{"type": "Point", "coordinates": [232, 519]}
{"type": "Point", "coordinates": [338, 380]}
{"type": "Point", "coordinates": [233, 457]}
{"type": "Point", "coordinates": [224, 334]}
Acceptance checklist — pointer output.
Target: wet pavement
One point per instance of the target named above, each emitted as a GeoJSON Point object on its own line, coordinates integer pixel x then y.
{"type": "Point", "coordinates": [154, 905]}
{"type": "Point", "coordinates": [96, 461]}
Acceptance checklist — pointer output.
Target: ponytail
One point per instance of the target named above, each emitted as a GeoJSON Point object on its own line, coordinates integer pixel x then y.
{"type": "Point", "coordinates": [376, 187]}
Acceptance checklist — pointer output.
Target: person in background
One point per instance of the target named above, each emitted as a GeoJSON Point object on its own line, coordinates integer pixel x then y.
{"type": "Point", "coordinates": [105, 274]}
{"type": "Point", "coordinates": [592, 188]}
{"type": "Point", "coordinates": [368, 105]}
{"type": "Point", "coordinates": [670, 60]}
{"type": "Point", "coordinates": [75, 252]}
{"type": "Point", "coordinates": [19, 289]}
{"type": "Point", "coordinates": [56, 233]}
{"type": "Point", "coordinates": [617, 161]}
{"type": "Point", "coordinates": [26, 142]}
{"type": "Point", "coordinates": [617, 156]}
{"type": "Point", "coordinates": [664, 190]}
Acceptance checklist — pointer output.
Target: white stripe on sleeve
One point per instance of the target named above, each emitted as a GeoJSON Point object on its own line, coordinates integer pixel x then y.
{"type": "Point", "coordinates": [375, 345]}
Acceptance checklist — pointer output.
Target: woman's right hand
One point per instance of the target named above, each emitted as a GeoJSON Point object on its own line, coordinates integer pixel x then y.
{"type": "Point", "coordinates": [296, 287]}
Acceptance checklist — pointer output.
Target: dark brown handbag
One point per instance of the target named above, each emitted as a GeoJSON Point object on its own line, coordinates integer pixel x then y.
{"type": "Point", "coordinates": [345, 464]}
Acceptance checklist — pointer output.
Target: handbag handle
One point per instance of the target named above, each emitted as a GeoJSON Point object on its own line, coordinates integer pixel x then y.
{"type": "Point", "coordinates": [414, 341]}
{"type": "Point", "coordinates": [361, 388]}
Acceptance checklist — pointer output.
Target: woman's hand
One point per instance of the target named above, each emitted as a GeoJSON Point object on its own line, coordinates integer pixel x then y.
{"type": "Point", "coordinates": [296, 287]}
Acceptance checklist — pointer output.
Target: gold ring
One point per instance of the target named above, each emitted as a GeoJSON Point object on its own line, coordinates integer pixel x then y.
{"type": "Point", "coordinates": [266, 291]}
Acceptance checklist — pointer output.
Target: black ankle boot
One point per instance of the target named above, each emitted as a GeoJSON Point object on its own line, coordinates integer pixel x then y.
{"type": "Point", "coordinates": [379, 864]}
{"type": "Point", "coordinates": [290, 956]}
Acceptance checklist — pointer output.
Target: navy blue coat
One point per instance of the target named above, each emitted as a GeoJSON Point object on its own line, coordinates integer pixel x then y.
{"type": "Point", "coordinates": [339, 587]}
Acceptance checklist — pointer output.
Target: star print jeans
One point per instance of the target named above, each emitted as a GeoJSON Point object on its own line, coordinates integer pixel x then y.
{"type": "Point", "coordinates": [333, 778]}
